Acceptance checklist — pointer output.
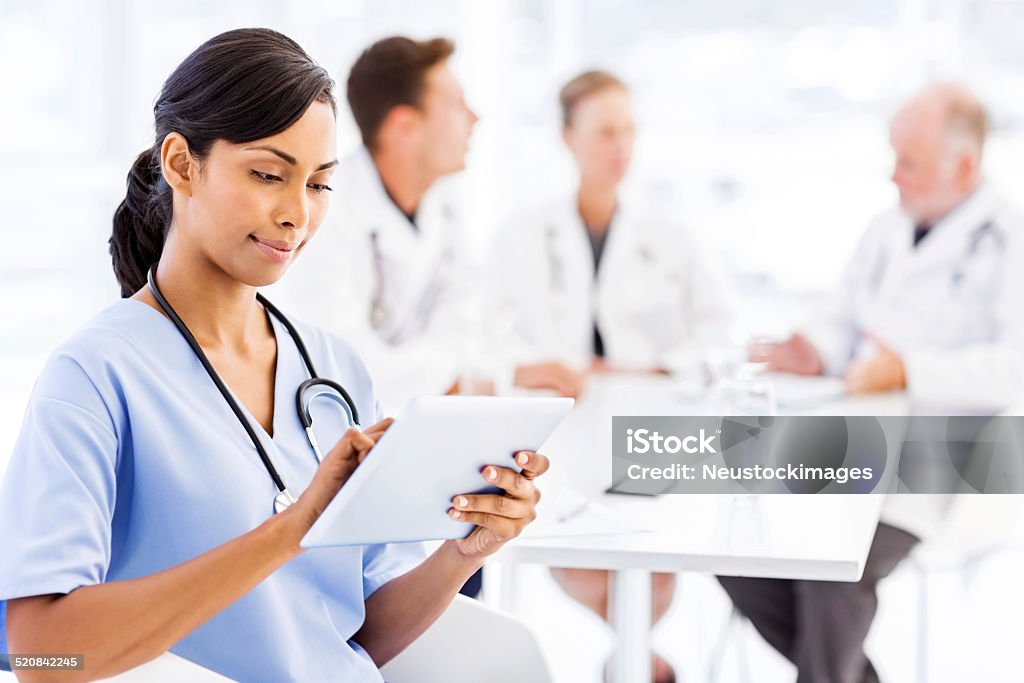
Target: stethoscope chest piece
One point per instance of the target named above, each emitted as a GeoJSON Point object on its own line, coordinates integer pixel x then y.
{"type": "Point", "coordinates": [312, 388]}
{"type": "Point", "coordinates": [283, 501]}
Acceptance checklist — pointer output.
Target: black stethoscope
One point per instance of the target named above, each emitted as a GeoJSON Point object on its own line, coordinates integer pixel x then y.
{"type": "Point", "coordinates": [312, 388]}
{"type": "Point", "coordinates": [987, 229]}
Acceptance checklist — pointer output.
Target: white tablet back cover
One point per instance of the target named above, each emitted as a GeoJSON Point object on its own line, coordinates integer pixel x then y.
{"type": "Point", "coordinates": [434, 451]}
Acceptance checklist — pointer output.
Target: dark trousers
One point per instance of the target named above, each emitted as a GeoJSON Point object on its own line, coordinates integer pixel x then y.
{"type": "Point", "coordinates": [472, 587]}
{"type": "Point", "coordinates": [821, 625]}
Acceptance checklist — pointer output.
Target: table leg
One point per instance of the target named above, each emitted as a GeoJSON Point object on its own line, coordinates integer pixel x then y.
{"type": "Point", "coordinates": [629, 607]}
{"type": "Point", "coordinates": [508, 581]}
{"type": "Point", "coordinates": [492, 591]}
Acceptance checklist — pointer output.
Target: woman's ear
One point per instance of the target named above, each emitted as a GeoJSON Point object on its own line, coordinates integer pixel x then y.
{"type": "Point", "coordinates": [177, 164]}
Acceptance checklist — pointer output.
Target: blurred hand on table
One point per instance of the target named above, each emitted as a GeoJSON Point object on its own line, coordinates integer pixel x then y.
{"type": "Point", "coordinates": [796, 355]}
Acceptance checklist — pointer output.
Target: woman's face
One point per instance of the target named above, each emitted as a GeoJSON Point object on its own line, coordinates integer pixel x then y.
{"type": "Point", "coordinates": [601, 135]}
{"type": "Point", "coordinates": [254, 206]}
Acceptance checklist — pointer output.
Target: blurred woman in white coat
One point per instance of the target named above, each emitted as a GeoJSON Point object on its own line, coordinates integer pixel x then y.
{"type": "Point", "coordinates": [595, 280]}
{"type": "Point", "coordinates": [601, 284]}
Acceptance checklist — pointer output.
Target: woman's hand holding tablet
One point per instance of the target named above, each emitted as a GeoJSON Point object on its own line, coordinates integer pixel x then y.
{"type": "Point", "coordinates": [500, 517]}
{"type": "Point", "coordinates": [441, 450]}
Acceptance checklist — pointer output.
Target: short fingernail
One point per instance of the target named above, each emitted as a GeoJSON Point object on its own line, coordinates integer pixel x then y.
{"type": "Point", "coordinates": [522, 458]}
{"type": "Point", "coordinates": [456, 514]}
{"type": "Point", "coordinates": [492, 473]}
{"type": "Point", "coordinates": [462, 501]}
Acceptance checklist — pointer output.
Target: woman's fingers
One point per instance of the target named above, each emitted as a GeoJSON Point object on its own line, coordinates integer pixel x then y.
{"type": "Point", "coordinates": [521, 495]}
{"type": "Point", "coordinates": [518, 484]}
{"type": "Point", "coordinates": [355, 444]}
{"type": "Point", "coordinates": [377, 430]}
{"type": "Point", "coordinates": [513, 483]}
{"type": "Point", "coordinates": [500, 518]}
{"type": "Point", "coordinates": [351, 444]}
{"type": "Point", "coordinates": [337, 466]}
{"type": "Point", "coordinates": [494, 504]}
{"type": "Point", "coordinates": [359, 440]}
{"type": "Point", "coordinates": [503, 528]}
{"type": "Point", "coordinates": [374, 433]}
{"type": "Point", "coordinates": [533, 464]}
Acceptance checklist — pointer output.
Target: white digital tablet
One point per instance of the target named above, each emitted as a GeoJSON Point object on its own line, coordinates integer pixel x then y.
{"type": "Point", "coordinates": [435, 450]}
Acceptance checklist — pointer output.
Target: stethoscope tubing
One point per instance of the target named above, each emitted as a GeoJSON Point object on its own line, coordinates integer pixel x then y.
{"type": "Point", "coordinates": [284, 498]}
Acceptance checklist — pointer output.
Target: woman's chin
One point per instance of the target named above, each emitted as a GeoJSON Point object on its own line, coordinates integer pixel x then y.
{"type": "Point", "coordinates": [264, 276]}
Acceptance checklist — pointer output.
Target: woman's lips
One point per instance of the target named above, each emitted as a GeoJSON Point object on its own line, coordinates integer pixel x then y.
{"type": "Point", "coordinates": [278, 251]}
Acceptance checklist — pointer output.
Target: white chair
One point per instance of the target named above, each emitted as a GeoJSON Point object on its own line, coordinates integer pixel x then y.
{"type": "Point", "coordinates": [169, 668]}
{"type": "Point", "coordinates": [976, 527]}
{"type": "Point", "coordinates": [732, 633]}
{"type": "Point", "coordinates": [471, 642]}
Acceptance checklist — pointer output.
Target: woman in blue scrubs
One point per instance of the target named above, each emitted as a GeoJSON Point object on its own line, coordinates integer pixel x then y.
{"type": "Point", "coordinates": [136, 513]}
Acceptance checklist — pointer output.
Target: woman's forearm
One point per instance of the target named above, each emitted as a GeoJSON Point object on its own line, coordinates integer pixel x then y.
{"type": "Point", "coordinates": [402, 609]}
{"type": "Point", "coordinates": [122, 624]}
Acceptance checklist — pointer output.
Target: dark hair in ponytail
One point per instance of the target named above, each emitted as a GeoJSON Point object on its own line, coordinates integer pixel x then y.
{"type": "Point", "coordinates": [239, 86]}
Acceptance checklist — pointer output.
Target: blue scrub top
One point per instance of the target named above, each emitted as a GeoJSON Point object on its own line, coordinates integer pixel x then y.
{"type": "Point", "coordinates": [130, 461]}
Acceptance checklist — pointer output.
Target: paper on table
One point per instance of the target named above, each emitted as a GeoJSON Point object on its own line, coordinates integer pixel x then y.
{"type": "Point", "coordinates": [794, 391]}
{"type": "Point", "coordinates": [569, 513]}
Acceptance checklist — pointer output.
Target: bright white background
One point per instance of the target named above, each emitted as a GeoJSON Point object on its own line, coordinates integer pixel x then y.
{"type": "Point", "coordinates": [762, 123]}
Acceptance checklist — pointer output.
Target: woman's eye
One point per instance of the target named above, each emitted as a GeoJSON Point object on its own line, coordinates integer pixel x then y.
{"type": "Point", "coordinates": [265, 177]}
{"type": "Point", "coordinates": [320, 187]}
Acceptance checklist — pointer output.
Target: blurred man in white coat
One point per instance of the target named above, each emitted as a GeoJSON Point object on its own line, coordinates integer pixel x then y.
{"type": "Point", "coordinates": [602, 283]}
{"type": "Point", "coordinates": [929, 304]}
{"type": "Point", "coordinates": [389, 268]}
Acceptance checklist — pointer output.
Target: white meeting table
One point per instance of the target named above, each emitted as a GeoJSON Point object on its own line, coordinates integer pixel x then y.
{"type": "Point", "coordinates": [815, 537]}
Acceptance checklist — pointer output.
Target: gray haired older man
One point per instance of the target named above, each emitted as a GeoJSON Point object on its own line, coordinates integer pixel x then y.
{"type": "Point", "coordinates": [929, 305]}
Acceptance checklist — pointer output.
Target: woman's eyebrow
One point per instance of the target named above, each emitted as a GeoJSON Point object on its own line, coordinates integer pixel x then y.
{"type": "Point", "coordinates": [289, 159]}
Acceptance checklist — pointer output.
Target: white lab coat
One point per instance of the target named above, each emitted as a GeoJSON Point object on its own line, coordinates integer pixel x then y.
{"type": "Point", "coordinates": [949, 307]}
{"type": "Point", "coordinates": [657, 298]}
{"type": "Point", "coordinates": [402, 294]}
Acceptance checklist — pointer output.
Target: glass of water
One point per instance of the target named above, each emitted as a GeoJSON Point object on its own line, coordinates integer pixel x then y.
{"type": "Point", "coordinates": [743, 396]}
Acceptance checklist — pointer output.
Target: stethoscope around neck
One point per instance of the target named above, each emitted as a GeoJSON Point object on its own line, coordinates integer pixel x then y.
{"type": "Point", "coordinates": [989, 229]}
{"type": "Point", "coordinates": [311, 389]}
